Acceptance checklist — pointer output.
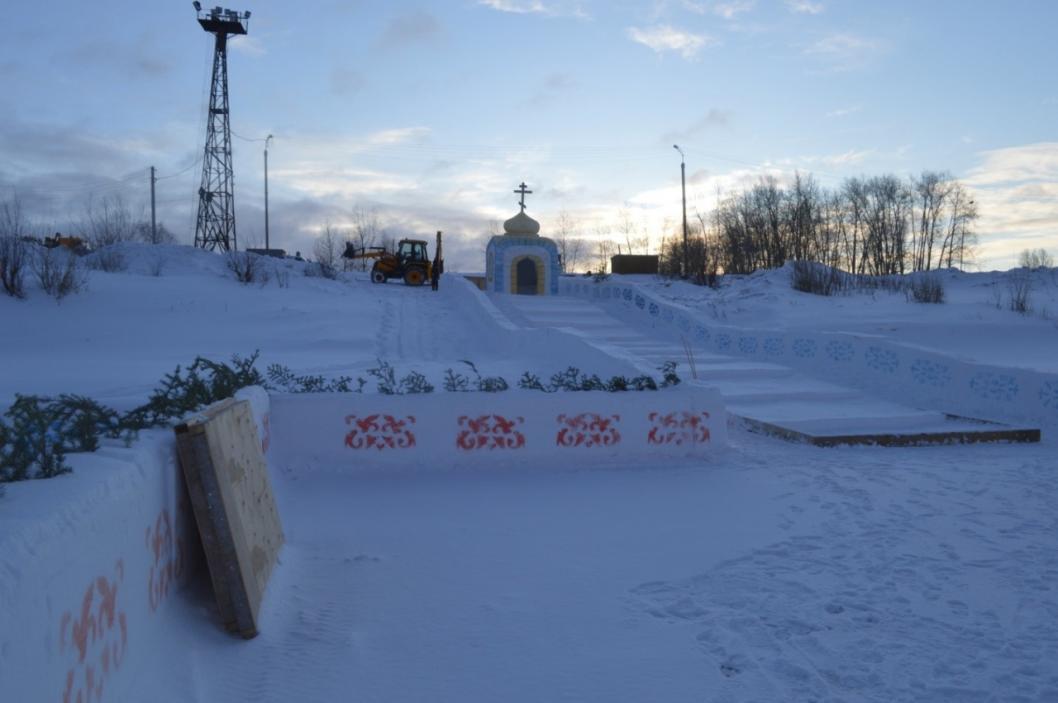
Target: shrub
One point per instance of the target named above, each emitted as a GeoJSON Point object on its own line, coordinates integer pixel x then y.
{"type": "Point", "coordinates": [926, 288]}
{"type": "Point", "coordinates": [1019, 290]}
{"type": "Point", "coordinates": [38, 432]}
{"type": "Point", "coordinates": [817, 279]}
{"type": "Point", "coordinates": [668, 374]}
{"type": "Point", "coordinates": [13, 257]}
{"type": "Point", "coordinates": [203, 383]}
{"type": "Point", "coordinates": [282, 276]}
{"type": "Point", "coordinates": [59, 272]}
{"type": "Point", "coordinates": [458, 383]}
{"type": "Point", "coordinates": [415, 382]}
{"type": "Point", "coordinates": [156, 266]}
{"type": "Point", "coordinates": [319, 269]}
{"type": "Point", "coordinates": [107, 259]}
{"type": "Point", "coordinates": [43, 430]}
{"type": "Point", "coordinates": [247, 267]}
{"type": "Point", "coordinates": [531, 382]}
{"type": "Point", "coordinates": [282, 378]}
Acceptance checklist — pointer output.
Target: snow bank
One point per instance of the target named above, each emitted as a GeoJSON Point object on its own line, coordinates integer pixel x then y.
{"type": "Point", "coordinates": [89, 563]}
{"type": "Point", "coordinates": [353, 432]}
{"type": "Point", "coordinates": [895, 371]}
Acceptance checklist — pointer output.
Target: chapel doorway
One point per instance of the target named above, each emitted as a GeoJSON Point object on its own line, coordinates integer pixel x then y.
{"type": "Point", "coordinates": [525, 277]}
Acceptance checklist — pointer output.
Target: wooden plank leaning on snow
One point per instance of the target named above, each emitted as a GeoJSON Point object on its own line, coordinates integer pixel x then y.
{"type": "Point", "coordinates": [235, 510]}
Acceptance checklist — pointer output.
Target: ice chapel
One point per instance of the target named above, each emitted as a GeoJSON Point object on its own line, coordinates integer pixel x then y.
{"type": "Point", "coordinates": [520, 261]}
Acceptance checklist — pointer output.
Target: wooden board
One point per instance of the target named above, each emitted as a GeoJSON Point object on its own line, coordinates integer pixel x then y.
{"type": "Point", "coordinates": [227, 479]}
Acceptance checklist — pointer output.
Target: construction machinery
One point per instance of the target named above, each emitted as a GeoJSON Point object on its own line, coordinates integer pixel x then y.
{"type": "Point", "coordinates": [410, 262]}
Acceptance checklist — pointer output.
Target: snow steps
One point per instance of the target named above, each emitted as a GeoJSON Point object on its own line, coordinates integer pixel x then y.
{"type": "Point", "coordinates": [764, 397]}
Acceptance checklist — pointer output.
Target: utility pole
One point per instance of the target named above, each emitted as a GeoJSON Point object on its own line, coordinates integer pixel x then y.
{"type": "Point", "coordinates": [154, 226]}
{"type": "Point", "coordinates": [683, 183]}
{"type": "Point", "coordinates": [267, 139]}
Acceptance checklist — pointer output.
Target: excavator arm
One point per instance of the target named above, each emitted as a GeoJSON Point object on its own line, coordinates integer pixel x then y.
{"type": "Point", "coordinates": [351, 252]}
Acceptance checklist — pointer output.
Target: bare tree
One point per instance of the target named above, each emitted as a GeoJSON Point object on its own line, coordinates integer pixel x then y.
{"type": "Point", "coordinates": [960, 239]}
{"type": "Point", "coordinates": [107, 221]}
{"type": "Point", "coordinates": [931, 191]}
{"type": "Point", "coordinates": [327, 250]}
{"type": "Point", "coordinates": [13, 250]}
{"type": "Point", "coordinates": [1034, 259]}
{"type": "Point", "coordinates": [365, 234]}
{"type": "Point", "coordinates": [160, 234]}
{"type": "Point", "coordinates": [570, 247]}
{"type": "Point", "coordinates": [632, 232]}
{"type": "Point", "coordinates": [12, 220]}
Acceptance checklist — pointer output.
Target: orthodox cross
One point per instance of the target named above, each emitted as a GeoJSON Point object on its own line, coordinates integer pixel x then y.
{"type": "Point", "coordinates": [522, 189]}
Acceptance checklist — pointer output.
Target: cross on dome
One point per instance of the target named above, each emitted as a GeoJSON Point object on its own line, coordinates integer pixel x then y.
{"type": "Point", "coordinates": [524, 191]}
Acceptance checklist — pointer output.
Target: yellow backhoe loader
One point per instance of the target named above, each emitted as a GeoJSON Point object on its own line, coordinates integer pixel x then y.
{"type": "Point", "coordinates": [410, 262]}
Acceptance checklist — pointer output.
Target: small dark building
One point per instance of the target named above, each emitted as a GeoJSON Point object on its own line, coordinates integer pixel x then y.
{"type": "Point", "coordinates": [634, 263]}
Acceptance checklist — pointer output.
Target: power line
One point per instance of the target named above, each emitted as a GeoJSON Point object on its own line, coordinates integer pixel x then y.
{"type": "Point", "coordinates": [180, 172]}
{"type": "Point", "coordinates": [246, 139]}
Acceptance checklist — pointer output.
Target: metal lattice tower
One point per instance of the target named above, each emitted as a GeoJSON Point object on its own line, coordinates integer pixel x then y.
{"type": "Point", "coordinates": [215, 226]}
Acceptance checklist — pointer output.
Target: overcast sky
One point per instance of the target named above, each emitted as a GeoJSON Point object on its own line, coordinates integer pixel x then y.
{"type": "Point", "coordinates": [431, 113]}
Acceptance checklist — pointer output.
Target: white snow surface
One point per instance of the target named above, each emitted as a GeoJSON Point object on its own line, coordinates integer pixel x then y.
{"type": "Point", "coordinates": [773, 572]}
{"type": "Point", "coordinates": [974, 323]}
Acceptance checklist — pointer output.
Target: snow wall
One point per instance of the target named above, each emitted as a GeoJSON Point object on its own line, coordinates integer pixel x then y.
{"type": "Point", "coordinates": [890, 370]}
{"type": "Point", "coordinates": [347, 432]}
{"type": "Point", "coordinates": [89, 565]}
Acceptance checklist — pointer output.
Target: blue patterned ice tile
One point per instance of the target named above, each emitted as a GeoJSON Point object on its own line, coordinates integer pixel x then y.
{"type": "Point", "coordinates": [701, 334]}
{"type": "Point", "coordinates": [1049, 395]}
{"type": "Point", "coordinates": [654, 309]}
{"type": "Point", "coordinates": [930, 373]}
{"type": "Point", "coordinates": [882, 360]}
{"type": "Point", "coordinates": [840, 351]}
{"type": "Point", "coordinates": [641, 302]}
{"type": "Point", "coordinates": [628, 296]}
{"type": "Point", "coordinates": [773, 346]}
{"type": "Point", "coordinates": [994, 386]}
{"type": "Point", "coordinates": [747, 345]}
{"type": "Point", "coordinates": [723, 341]}
{"type": "Point", "coordinates": [804, 348]}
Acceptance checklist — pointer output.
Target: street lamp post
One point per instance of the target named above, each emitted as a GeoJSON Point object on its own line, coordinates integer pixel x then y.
{"type": "Point", "coordinates": [683, 184]}
{"type": "Point", "coordinates": [267, 139]}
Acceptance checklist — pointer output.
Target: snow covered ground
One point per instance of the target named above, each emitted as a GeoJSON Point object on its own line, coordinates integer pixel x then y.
{"type": "Point", "coordinates": [773, 572]}
{"type": "Point", "coordinates": [973, 324]}
{"type": "Point", "coordinates": [782, 573]}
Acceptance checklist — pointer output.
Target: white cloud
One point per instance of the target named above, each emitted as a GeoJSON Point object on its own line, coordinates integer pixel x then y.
{"type": "Point", "coordinates": [852, 156]}
{"type": "Point", "coordinates": [728, 9]}
{"type": "Point", "coordinates": [552, 8]}
{"type": "Point", "coordinates": [245, 44]}
{"type": "Point", "coordinates": [663, 38]}
{"type": "Point", "coordinates": [842, 44]}
{"type": "Point", "coordinates": [388, 137]}
{"type": "Point", "coordinates": [843, 51]}
{"type": "Point", "coordinates": [804, 7]}
{"type": "Point", "coordinates": [1016, 190]}
{"type": "Point", "coordinates": [844, 111]}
